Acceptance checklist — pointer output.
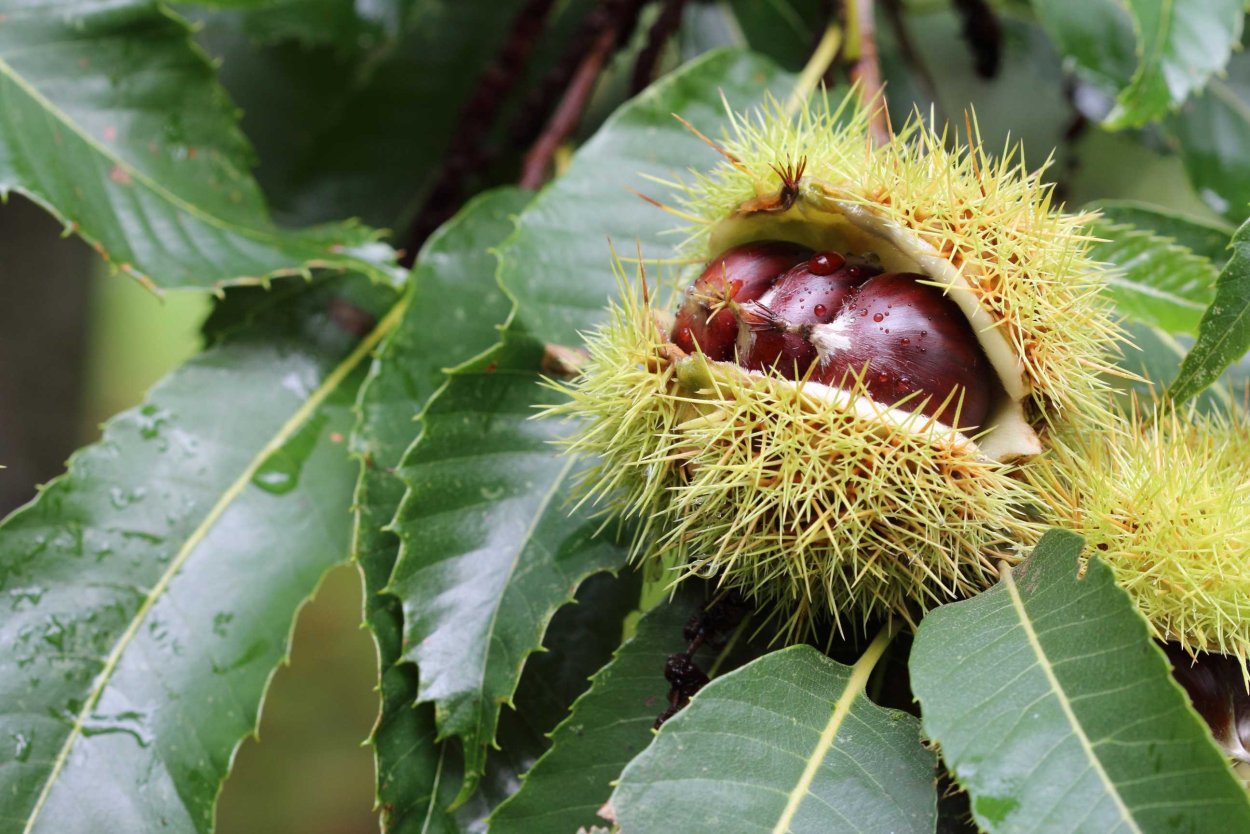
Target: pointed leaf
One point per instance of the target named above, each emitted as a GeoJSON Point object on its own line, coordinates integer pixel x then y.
{"type": "Point", "coordinates": [1057, 712]}
{"type": "Point", "coordinates": [788, 743]}
{"type": "Point", "coordinates": [1179, 46]}
{"type": "Point", "coordinates": [149, 165]}
{"type": "Point", "coordinates": [452, 312]}
{"type": "Point", "coordinates": [489, 548]}
{"type": "Point", "coordinates": [1224, 332]}
{"type": "Point", "coordinates": [558, 265]}
{"type": "Point", "coordinates": [153, 586]}
{"type": "Point", "coordinates": [1155, 281]}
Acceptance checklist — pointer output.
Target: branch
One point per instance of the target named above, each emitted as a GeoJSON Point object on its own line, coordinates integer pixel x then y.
{"type": "Point", "coordinates": [861, 47]}
{"type": "Point", "coordinates": [911, 55]}
{"type": "Point", "coordinates": [569, 112]}
{"type": "Point", "coordinates": [476, 118]}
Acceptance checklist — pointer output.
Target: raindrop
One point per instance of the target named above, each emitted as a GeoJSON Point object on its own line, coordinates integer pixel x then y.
{"type": "Point", "coordinates": [877, 316]}
{"type": "Point", "coordinates": [21, 751]}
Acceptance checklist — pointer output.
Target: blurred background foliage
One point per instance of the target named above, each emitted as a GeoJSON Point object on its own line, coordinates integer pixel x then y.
{"type": "Point", "coordinates": [351, 106]}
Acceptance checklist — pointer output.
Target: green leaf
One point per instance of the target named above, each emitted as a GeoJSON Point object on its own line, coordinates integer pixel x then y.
{"type": "Point", "coordinates": [114, 123]}
{"type": "Point", "coordinates": [608, 726]}
{"type": "Point", "coordinates": [788, 743]}
{"type": "Point", "coordinates": [489, 548]}
{"type": "Point", "coordinates": [152, 587]}
{"type": "Point", "coordinates": [558, 264]}
{"type": "Point", "coordinates": [1057, 712]}
{"type": "Point", "coordinates": [1213, 132]}
{"type": "Point", "coordinates": [1179, 46]}
{"type": "Point", "coordinates": [1202, 237]}
{"type": "Point", "coordinates": [1096, 35]}
{"type": "Point", "coordinates": [452, 312]}
{"type": "Point", "coordinates": [1154, 280]}
{"type": "Point", "coordinates": [1224, 333]}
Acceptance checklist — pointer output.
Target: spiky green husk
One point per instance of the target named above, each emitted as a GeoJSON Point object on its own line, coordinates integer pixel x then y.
{"type": "Point", "coordinates": [1165, 501]}
{"type": "Point", "coordinates": [994, 220]}
{"type": "Point", "coordinates": [785, 490]}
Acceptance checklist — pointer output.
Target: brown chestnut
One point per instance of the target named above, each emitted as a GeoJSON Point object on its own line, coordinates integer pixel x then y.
{"type": "Point", "coordinates": [776, 328]}
{"type": "Point", "coordinates": [1217, 689]}
{"type": "Point", "coordinates": [908, 339]}
{"type": "Point", "coordinates": [708, 318]}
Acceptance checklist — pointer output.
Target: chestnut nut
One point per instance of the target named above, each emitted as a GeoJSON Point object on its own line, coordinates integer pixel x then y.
{"type": "Point", "coordinates": [777, 306]}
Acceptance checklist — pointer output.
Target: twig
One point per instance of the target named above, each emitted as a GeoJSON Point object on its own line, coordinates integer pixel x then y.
{"type": "Point", "coordinates": [861, 48]}
{"type": "Point", "coordinates": [911, 55]}
{"type": "Point", "coordinates": [477, 116]}
{"type": "Point", "coordinates": [617, 15]}
{"type": "Point", "coordinates": [665, 25]}
{"type": "Point", "coordinates": [569, 112]}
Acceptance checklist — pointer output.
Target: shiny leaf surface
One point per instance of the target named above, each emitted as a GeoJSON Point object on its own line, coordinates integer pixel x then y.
{"type": "Point", "coordinates": [489, 548]}
{"type": "Point", "coordinates": [1224, 332]}
{"type": "Point", "coordinates": [787, 743]}
{"type": "Point", "coordinates": [152, 587]}
{"type": "Point", "coordinates": [1202, 237]}
{"type": "Point", "coordinates": [453, 309]}
{"type": "Point", "coordinates": [150, 166]}
{"type": "Point", "coordinates": [1057, 712]}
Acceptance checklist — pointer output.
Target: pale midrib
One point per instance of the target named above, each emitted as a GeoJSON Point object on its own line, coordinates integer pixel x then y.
{"type": "Point", "coordinates": [1148, 291]}
{"type": "Point", "coordinates": [274, 237]}
{"type": "Point", "coordinates": [1043, 662]}
{"type": "Point", "coordinates": [284, 433]}
{"type": "Point", "coordinates": [854, 688]}
{"type": "Point", "coordinates": [516, 560]}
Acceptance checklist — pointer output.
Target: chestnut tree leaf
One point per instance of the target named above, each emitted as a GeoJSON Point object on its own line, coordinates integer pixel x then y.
{"type": "Point", "coordinates": [1056, 711]}
{"type": "Point", "coordinates": [1153, 53]}
{"type": "Point", "coordinates": [1179, 47]}
{"type": "Point", "coordinates": [558, 264]}
{"type": "Point", "coordinates": [376, 114]}
{"type": "Point", "coordinates": [1224, 332]}
{"type": "Point", "coordinates": [1206, 238]}
{"type": "Point", "coordinates": [152, 587]}
{"type": "Point", "coordinates": [787, 743]}
{"type": "Point", "coordinates": [1153, 280]}
{"type": "Point", "coordinates": [1213, 134]}
{"type": "Point", "coordinates": [114, 122]}
{"type": "Point", "coordinates": [453, 310]}
{"type": "Point", "coordinates": [489, 547]}
{"type": "Point", "coordinates": [609, 725]}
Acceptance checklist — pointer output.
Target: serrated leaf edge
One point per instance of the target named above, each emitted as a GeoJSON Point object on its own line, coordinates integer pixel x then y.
{"type": "Point", "coordinates": [284, 433]}
{"type": "Point", "coordinates": [1043, 663]}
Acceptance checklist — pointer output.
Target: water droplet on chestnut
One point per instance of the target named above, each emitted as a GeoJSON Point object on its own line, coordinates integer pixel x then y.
{"type": "Point", "coordinates": [848, 346]}
{"type": "Point", "coordinates": [740, 275]}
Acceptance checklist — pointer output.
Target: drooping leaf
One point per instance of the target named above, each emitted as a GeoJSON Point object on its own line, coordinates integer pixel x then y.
{"type": "Point", "coordinates": [113, 122]}
{"type": "Point", "coordinates": [1179, 47]}
{"type": "Point", "coordinates": [1057, 712]}
{"type": "Point", "coordinates": [1154, 280]}
{"type": "Point", "coordinates": [153, 586]}
{"type": "Point", "coordinates": [359, 130]}
{"type": "Point", "coordinates": [1224, 332]}
{"type": "Point", "coordinates": [452, 312]}
{"type": "Point", "coordinates": [1152, 54]}
{"type": "Point", "coordinates": [489, 548]}
{"type": "Point", "coordinates": [787, 743]}
{"type": "Point", "coordinates": [607, 727]}
{"type": "Point", "coordinates": [557, 264]}
{"type": "Point", "coordinates": [1096, 35]}
{"type": "Point", "coordinates": [1202, 237]}
{"type": "Point", "coordinates": [1213, 134]}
